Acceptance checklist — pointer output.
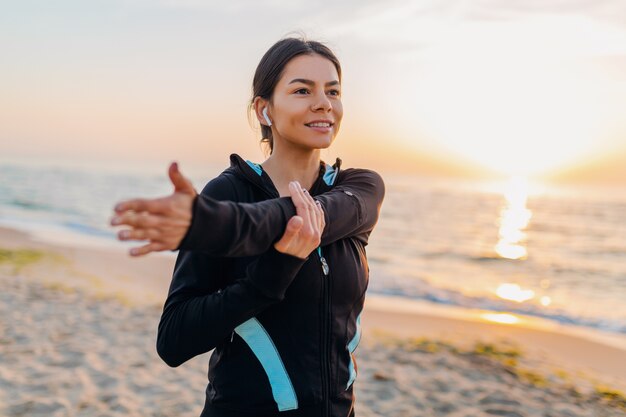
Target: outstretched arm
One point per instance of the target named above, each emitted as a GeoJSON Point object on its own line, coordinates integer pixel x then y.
{"type": "Point", "coordinates": [351, 208]}
{"type": "Point", "coordinates": [225, 228]}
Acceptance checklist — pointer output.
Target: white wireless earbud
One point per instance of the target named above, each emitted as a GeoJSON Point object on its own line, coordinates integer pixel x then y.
{"type": "Point", "coordinates": [267, 119]}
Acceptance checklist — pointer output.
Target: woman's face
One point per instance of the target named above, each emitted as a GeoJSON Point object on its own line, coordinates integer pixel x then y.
{"type": "Point", "coordinates": [306, 105]}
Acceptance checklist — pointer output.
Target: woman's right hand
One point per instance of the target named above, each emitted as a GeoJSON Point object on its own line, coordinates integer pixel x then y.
{"type": "Point", "coordinates": [304, 230]}
{"type": "Point", "coordinates": [162, 221]}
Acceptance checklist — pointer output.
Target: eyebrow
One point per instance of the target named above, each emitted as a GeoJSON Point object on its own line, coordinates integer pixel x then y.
{"type": "Point", "coordinates": [309, 82]}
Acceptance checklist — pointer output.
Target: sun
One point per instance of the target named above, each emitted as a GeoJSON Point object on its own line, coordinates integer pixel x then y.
{"type": "Point", "coordinates": [516, 119]}
{"type": "Point", "coordinates": [513, 106]}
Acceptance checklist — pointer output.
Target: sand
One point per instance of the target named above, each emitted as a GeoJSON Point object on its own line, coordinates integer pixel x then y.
{"type": "Point", "coordinates": [78, 331]}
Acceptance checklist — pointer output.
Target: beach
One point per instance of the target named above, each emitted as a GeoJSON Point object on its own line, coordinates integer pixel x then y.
{"type": "Point", "coordinates": [78, 336]}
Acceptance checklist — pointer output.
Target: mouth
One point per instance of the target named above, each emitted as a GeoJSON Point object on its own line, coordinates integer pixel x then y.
{"type": "Point", "coordinates": [320, 126]}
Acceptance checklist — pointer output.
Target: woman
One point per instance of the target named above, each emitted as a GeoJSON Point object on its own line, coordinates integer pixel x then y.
{"type": "Point", "coordinates": [269, 277]}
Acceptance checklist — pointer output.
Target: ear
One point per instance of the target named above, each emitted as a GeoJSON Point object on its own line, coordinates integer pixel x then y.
{"type": "Point", "coordinates": [259, 104]}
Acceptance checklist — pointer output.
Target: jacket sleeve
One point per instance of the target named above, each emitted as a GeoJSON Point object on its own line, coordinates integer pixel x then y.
{"type": "Point", "coordinates": [204, 305]}
{"type": "Point", "coordinates": [229, 229]}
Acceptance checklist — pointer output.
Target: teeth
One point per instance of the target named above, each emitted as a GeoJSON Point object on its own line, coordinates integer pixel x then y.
{"type": "Point", "coordinates": [319, 124]}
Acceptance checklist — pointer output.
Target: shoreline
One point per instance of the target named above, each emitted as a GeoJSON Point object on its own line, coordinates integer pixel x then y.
{"type": "Point", "coordinates": [65, 240]}
{"type": "Point", "coordinates": [404, 305]}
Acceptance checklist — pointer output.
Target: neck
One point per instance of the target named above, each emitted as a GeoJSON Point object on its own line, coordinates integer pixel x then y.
{"type": "Point", "coordinates": [286, 165]}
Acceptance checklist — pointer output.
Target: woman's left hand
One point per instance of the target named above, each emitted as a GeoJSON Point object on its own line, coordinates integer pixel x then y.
{"type": "Point", "coordinates": [304, 230]}
{"type": "Point", "coordinates": [162, 221]}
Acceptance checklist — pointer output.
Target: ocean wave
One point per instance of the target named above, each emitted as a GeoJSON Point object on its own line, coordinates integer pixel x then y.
{"type": "Point", "coordinates": [454, 298]}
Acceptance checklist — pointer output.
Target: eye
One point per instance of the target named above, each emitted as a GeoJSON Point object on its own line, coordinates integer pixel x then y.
{"type": "Point", "coordinates": [334, 92]}
{"type": "Point", "coordinates": [301, 89]}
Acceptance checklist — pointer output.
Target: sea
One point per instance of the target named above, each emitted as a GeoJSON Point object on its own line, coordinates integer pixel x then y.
{"type": "Point", "coordinates": [509, 248]}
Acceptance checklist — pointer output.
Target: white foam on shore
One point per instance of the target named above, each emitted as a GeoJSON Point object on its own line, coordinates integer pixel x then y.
{"type": "Point", "coordinates": [395, 304]}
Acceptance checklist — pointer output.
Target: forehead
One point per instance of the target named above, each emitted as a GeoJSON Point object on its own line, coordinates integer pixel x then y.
{"type": "Point", "coordinates": [311, 67]}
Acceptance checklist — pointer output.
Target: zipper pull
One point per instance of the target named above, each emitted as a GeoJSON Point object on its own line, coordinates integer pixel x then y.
{"type": "Point", "coordinates": [232, 335]}
{"type": "Point", "coordinates": [325, 268]}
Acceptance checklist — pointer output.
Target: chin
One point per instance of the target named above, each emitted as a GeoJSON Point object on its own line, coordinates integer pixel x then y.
{"type": "Point", "coordinates": [323, 144]}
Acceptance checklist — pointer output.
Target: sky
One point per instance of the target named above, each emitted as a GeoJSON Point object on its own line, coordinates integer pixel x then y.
{"type": "Point", "coordinates": [436, 87]}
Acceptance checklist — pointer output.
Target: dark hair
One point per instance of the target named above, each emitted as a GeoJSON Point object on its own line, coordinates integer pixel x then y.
{"type": "Point", "coordinates": [271, 68]}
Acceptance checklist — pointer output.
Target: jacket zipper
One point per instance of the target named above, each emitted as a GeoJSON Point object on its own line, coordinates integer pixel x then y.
{"type": "Point", "coordinates": [326, 318]}
{"type": "Point", "coordinates": [325, 333]}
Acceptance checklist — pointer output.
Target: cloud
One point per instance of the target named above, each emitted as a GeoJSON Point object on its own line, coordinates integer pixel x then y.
{"type": "Point", "coordinates": [569, 28]}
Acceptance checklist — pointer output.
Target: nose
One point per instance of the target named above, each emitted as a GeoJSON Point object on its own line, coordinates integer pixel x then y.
{"type": "Point", "coordinates": [323, 103]}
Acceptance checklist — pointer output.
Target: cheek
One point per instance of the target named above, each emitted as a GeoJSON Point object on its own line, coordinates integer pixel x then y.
{"type": "Point", "coordinates": [295, 112]}
{"type": "Point", "coordinates": [338, 112]}
{"type": "Point", "coordinates": [338, 106]}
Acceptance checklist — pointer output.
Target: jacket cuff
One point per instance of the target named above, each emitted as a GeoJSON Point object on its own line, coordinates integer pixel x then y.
{"type": "Point", "coordinates": [273, 272]}
{"type": "Point", "coordinates": [195, 219]}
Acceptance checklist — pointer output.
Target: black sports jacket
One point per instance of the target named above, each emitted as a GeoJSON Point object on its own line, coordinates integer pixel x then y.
{"type": "Point", "coordinates": [284, 329]}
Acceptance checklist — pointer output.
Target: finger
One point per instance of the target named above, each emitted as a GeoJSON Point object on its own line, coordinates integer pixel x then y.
{"type": "Point", "coordinates": [301, 207]}
{"type": "Point", "coordinates": [137, 204]}
{"type": "Point", "coordinates": [290, 236]}
{"type": "Point", "coordinates": [152, 205]}
{"type": "Point", "coordinates": [316, 216]}
{"type": "Point", "coordinates": [138, 234]}
{"type": "Point", "coordinates": [141, 220]}
{"type": "Point", "coordinates": [181, 184]}
{"type": "Point", "coordinates": [298, 200]}
{"type": "Point", "coordinates": [145, 249]}
{"type": "Point", "coordinates": [314, 210]}
{"type": "Point", "coordinates": [306, 210]}
{"type": "Point", "coordinates": [290, 243]}
{"type": "Point", "coordinates": [296, 195]}
{"type": "Point", "coordinates": [294, 225]}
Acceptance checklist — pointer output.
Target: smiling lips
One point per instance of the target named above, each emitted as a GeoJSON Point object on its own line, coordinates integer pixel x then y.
{"type": "Point", "coordinates": [320, 125]}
